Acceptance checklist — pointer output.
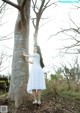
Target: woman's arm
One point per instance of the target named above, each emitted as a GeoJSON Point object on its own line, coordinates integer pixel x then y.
{"type": "Point", "coordinates": [24, 54]}
{"type": "Point", "coordinates": [27, 55]}
{"type": "Point", "coordinates": [30, 62]}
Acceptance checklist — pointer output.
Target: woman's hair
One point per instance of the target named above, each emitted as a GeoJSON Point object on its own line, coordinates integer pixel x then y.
{"type": "Point", "coordinates": [39, 52]}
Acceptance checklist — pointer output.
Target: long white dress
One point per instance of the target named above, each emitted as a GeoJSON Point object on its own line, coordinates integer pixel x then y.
{"type": "Point", "coordinates": [36, 77]}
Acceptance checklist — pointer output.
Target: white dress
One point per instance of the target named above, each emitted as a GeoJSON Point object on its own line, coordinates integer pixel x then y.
{"type": "Point", "coordinates": [36, 77]}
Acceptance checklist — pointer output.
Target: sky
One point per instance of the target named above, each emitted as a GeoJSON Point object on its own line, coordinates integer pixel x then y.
{"type": "Point", "coordinates": [56, 19]}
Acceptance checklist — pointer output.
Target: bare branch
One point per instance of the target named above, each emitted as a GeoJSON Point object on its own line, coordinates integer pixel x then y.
{"type": "Point", "coordinates": [72, 21]}
{"type": "Point", "coordinates": [46, 6]}
{"type": "Point", "coordinates": [47, 2]}
{"type": "Point", "coordinates": [41, 7]}
{"type": "Point", "coordinates": [11, 3]}
{"type": "Point", "coordinates": [65, 30]}
{"type": "Point", "coordinates": [3, 69]}
{"type": "Point", "coordinates": [33, 22]}
{"type": "Point", "coordinates": [77, 6]}
{"type": "Point", "coordinates": [2, 6]}
{"type": "Point", "coordinates": [45, 22]}
{"type": "Point", "coordinates": [34, 6]}
{"type": "Point", "coordinates": [71, 52]}
{"type": "Point", "coordinates": [5, 39]}
{"type": "Point", "coordinates": [7, 48]}
{"type": "Point", "coordinates": [33, 3]}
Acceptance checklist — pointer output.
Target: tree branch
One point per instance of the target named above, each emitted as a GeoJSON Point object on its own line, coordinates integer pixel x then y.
{"type": "Point", "coordinates": [3, 69]}
{"type": "Point", "coordinates": [65, 30]}
{"type": "Point", "coordinates": [47, 2]}
{"type": "Point", "coordinates": [72, 21]}
{"type": "Point", "coordinates": [3, 5]}
{"type": "Point", "coordinates": [33, 22]}
{"type": "Point", "coordinates": [12, 4]}
{"type": "Point", "coordinates": [41, 7]}
{"type": "Point", "coordinates": [50, 5]}
{"type": "Point", "coordinates": [23, 3]}
{"type": "Point", "coordinates": [5, 39]}
{"type": "Point", "coordinates": [71, 53]}
{"type": "Point", "coordinates": [46, 5]}
{"type": "Point", "coordinates": [34, 6]}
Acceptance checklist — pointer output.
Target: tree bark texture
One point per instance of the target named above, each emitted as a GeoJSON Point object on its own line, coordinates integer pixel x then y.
{"type": "Point", "coordinates": [17, 90]}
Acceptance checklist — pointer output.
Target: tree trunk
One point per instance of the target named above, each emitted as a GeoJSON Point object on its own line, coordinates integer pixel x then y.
{"type": "Point", "coordinates": [17, 90]}
{"type": "Point", "coordinates": [36, 27]}
{"type": "Point", "coordinates": [35, 36]}
{"type": "Point", "coordinates": [38, 17]}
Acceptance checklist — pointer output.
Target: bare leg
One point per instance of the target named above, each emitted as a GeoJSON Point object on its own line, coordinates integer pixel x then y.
{"type": "Point", "coordinates": [39, 96]}
{"type": "Point", "coordinates": [34, 95]}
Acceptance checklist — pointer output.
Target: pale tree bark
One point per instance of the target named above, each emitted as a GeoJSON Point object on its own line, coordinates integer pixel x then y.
{"type": "Point", "coordinates": [38, 13]}
{"type": "Point", "coordinates": [17, 90]}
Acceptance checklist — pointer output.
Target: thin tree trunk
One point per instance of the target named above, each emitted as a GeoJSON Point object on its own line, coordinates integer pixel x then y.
{"type": "Point", "coordinates": [35, 36]}
{"type": "Point", "coordinates": [36, 29]}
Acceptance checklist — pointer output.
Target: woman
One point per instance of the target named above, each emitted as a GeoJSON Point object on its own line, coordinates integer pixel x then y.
{"type": "Point", "coordinates": [36, 81]}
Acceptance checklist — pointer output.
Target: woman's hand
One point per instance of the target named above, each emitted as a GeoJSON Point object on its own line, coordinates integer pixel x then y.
{"type": "Point", "coordinates": [24, 54]}
{"type": "Point", "coordinates": [30, 62]}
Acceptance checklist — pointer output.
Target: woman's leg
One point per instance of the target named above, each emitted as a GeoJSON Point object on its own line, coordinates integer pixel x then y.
{"type": "Point", "coordinates": [39, 96]}
{"type": "Point", "coordinates": [34, 93]}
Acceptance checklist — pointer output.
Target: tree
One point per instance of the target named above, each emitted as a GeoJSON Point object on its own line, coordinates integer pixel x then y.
{"type": "Point", "coordinates": [38, 10]}
{"type": "Point", "coordinates": [2, 60]}
{"type": "Point", "coordinates": [17, 90]}
{"type": "Point", "coordinates": [72, 73]}
{"type": "Point", "coordinates": [2, 14]}
{"type": "Point", "coordinates": [2, 10]}
{"type": "Point", "coordinates": [58, 74]}
{"type": "Point", "coordinates": [73, 33]}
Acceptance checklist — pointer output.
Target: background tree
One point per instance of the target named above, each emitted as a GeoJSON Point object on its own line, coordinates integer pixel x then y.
{"type": "Point", "coordinates": [2, 10]}
{"type": "Point", "coordinates": [2, 61]}
{"type": "Point", "coordinates": [17, 90]}
{"type": "Point", "coordinates": [2, 14]}
{"type": "Point", "coordinates": [39, 7]}
{"type": "Point", "coordinates": [58, 74]}
{"type": "Point", "coordinates": [72, 73]}
{"type": "Point", "coordinates": [72, 33]}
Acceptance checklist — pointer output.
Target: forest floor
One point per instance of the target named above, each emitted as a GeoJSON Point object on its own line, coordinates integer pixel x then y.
{"type": "Point", "coordinates": [62, 103]}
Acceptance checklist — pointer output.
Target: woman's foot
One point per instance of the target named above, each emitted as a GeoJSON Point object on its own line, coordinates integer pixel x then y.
{"type": "Point", "coordinates": [35, 102]}
{"type": "Point", "coordinates": [39, 102]}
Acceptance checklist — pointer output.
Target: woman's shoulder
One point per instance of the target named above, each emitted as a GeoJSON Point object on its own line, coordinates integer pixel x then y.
{"type": "Point", "coordinates": [37, 54]}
